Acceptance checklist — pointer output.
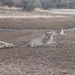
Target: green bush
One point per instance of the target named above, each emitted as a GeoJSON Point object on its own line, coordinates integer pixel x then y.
{"type": "Point", "coordinates": [64, 4]}
{"type": "Point", "coordinates": [31, 4]}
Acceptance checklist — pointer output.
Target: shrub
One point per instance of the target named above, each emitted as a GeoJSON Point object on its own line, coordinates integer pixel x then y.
{"type": "Point", "coordinates": [64, 5]}
{"type": "Point", "coordinates": [7, 2]}
{"type": "Point", "coordinates": [31, 4]}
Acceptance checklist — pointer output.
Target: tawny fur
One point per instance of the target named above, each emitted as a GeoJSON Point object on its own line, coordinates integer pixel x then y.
{"type": "Point", "coordinates": [57, 32]}
{"type": "Point", "coordinates": [45, 40]}
{"type": "Point", "coordinates": [6, 45]}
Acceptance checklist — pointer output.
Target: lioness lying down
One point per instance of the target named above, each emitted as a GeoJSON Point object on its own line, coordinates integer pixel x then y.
{"type": "Point", "coordinates": [46, 40]}
{"type": "Point", "coordinates": [6, 45]}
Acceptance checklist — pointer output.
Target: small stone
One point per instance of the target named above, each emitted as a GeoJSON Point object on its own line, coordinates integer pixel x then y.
{"type": "Point", "coordinates": [64, 72]}
{"type": "Point", "coordinates": [49, 72]}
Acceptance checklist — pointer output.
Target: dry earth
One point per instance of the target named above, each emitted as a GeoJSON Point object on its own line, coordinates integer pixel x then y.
{"type": "Point", "coordinates": [43, 60]}
{"type": "Point", "coordinates": [40, 60]}
{"type": "Point", "coordinates": [53, 23]}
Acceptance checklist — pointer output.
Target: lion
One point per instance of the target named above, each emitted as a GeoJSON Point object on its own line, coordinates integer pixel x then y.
{"type": "Point", "coordinates": [6, 45]}
{"type": "Point", "coordinates": [45, 40]}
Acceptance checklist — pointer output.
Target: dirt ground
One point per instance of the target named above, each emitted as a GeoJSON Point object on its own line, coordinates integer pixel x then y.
{"type": "Point", "coordinates": [43, 60]}
{"type": "Point", "coordinates": [40, 23]}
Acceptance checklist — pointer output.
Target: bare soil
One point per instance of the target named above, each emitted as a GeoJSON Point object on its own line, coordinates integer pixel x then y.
{"type": "Point", "coordinates": [43, 60]}
{"type": "Point", "coordinates": [52, 23]}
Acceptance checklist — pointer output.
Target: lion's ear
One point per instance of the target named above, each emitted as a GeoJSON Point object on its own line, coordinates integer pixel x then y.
{"type": "Point", "coordinates": [51, 33]}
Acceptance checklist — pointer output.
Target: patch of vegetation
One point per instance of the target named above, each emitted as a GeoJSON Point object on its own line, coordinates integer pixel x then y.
{"type": "Point", "coordinates": [64, 5]}
{"type": "Point", "coordinates": [31, 4]}
{"type": "Point", "coordinates": [7, 2]}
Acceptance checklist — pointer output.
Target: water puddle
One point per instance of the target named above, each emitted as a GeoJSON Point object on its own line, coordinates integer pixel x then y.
{"type": "Point", "coordinates": [70, 29]}
{"type": "Point", "coordinates": [12, 29]}
{"type": "Point", "coordinates": [25, 29]}
{"type": "Point", "coordinates": [54, 31]}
